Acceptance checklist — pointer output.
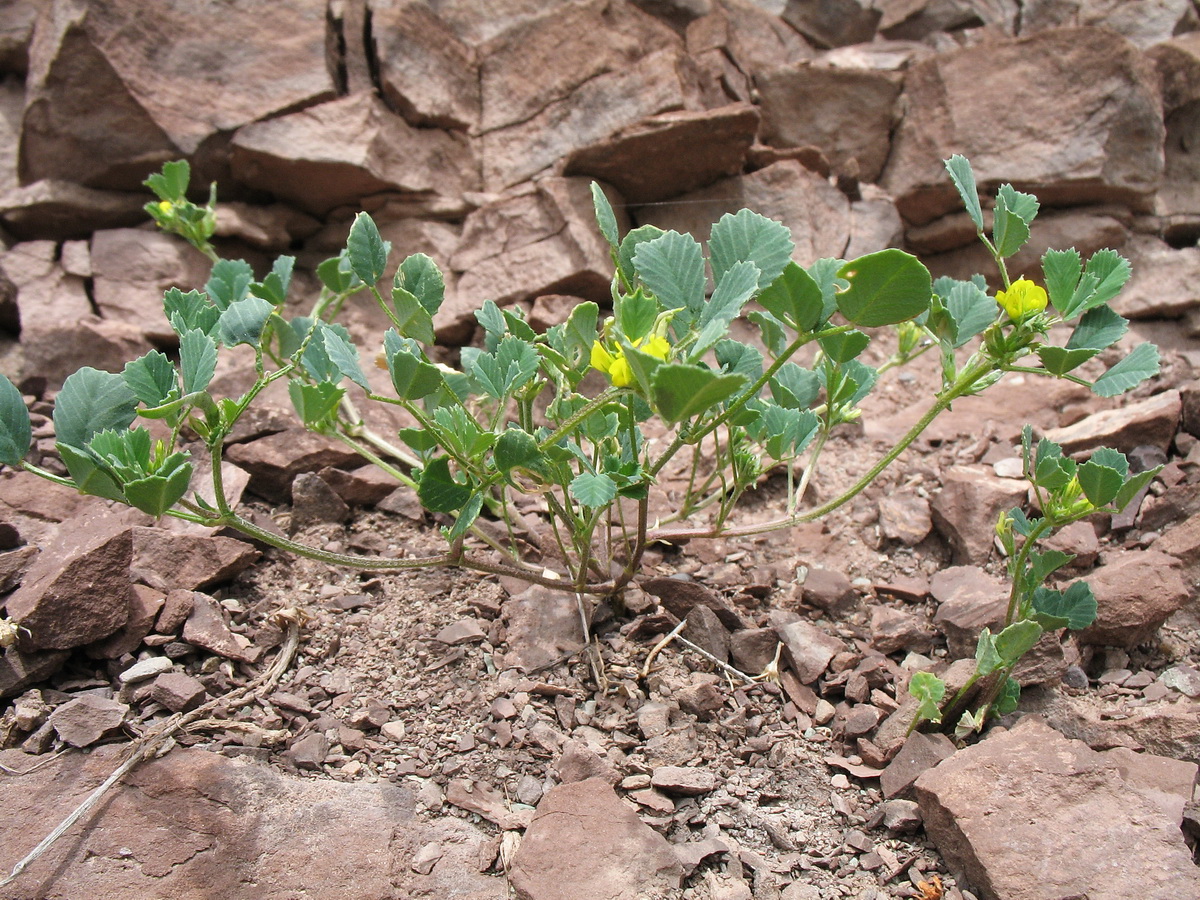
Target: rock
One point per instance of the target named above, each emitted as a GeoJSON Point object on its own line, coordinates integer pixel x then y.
{"type": "Point", "coordinates": [314, 502]}
{"type": "Point", "coordinates": [205, 627]}
{"type": "Point", "coordinates": [913, 21]}
{"type": "Point", "coordinates": [273, 461]}
{"type": "Point", "coordinates": [874, 225]}
{"type": "Point", "coordinates": [132, 267]}
{"type": "Point", "coordinates": [1080, 541]}
{"type": "Point", "coordinates": [60, 210]}
{"type": "Point", "coordinates": [309, 751]}
{"type": "Point", "coordinates": [177, 691]}
{"type": "Point", "coordinates": [538, 239]}
{"type": "Point", "coordinates": [1143, 22]}
{"type": "Point", "coordinates": [98, 115]}
{"type": "Point", "coordinates": [542, 627]}
{"type": "Point", "coordinates": [485, 801]}
{"type": "Point", "coordinates": [894, 630]}
{"type": "Point", "coordinates": [968, 600]}
{"type": "Point", "coordinates": [1152, 421]}
{"type": "Point", "coordinates": [670, 153]}
{"type": "Point", "coordinates": [426, 73]}
{"type": "Point", "coordinates": [704, 629]}
{"type": "Point", "coordinates": [579, 762]}
{"type": "Point", "coordinates": [83, 721]}
{"type": "Point", "coordinates": [176, 608]}
{"type": "Point", "coordinates": [894, 730]}
{"type": "Point", "coordinates": [832, 23]}
{"type": "Point", "coordinates": [742, 40]}
{"type": "Point", "coordinates": [817, 213]}
{"type": "Point", "coordinates": [848, 114]}
{"type": "Point", "coordinates": [685, 781]}
{"type": "Point", "coordinates": [336, 153]}
{"type": "Point", "coordinates": [753, 649]}
{"type": "Point", "coordinates": [679, 597]}
{"type": "Point", "coordinates": [901, 816]}
{"type": "Point", "coordinates": [359, 487]}
{"type": "Point", "coordinates": [144, 606]}
{"type": "Point", "coordinates": [145, 669]}
{"type": "Point", "coordinates": [967, 508]}
{"type": "Point", "coordinates": [464, 631]}
{"type": "Point", "coordinates": [860, 720]}
{"type": "Point", "coordinates": [168, 561]}
{"type": "Point", "coordinates": [1136, 591]}
{"type": "Point", "coordinates": [829, 590]}
{"type": "Point", "coordinates": [1182, 678]}
{"type": "Point", "coordinates": [1031, 814]}
{"type": "Point", "coordinates": [807, 649]}
{"type": "Point", "coordinates": [272, 227]}
{"type": "Point", "coordinates": [585, 842]}
{"type": "Point", "coordinates": [21, 668]}
{"type": "Point", "coordinates": [905, 517]}
{"type": "Point", "coordinates": [701, 695]}
{"type": "Point", "coordinates": [77, 590]}
{"type": "Point", "coordinates": [951, 102]}
{"type": "Point", "coordinates": [1159, 287]}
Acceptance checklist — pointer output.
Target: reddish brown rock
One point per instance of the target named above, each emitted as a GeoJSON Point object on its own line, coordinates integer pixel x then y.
{"type": "Point", "coordinates": [585, 842]}
{"type": "Point", "coordinates": [314, 502]}
{"type": "Point", "coordinates": [61, 210]}
{"type": "Point", "coordinates": [273, 461]}
{"type": "Point", "coordinates": [678, 597]}
{"type": "Point", "coordinates": [144, 605]}
{"type": "Point", "coordinates": [833, 23]}
{"type": "Point", "coordinates": [686, 781]}
{"type": "Point", "coordinates": [1028, 814]}
{"type": "Point", "coordinates": [968, 600]}
{"type": "Point", "coordinates": [20, 669]}
{"type": "Point", "coordinates": [704, 629]}
{"type": "Point", "coordinates": [894, 630]}
{"type": "Point", "coordinates": [336, 153]}
{"type": "Point", "coordinates": [967, 508]}
{"type": "Point", "coordinates": [1152, 421]}
{"type": "Point", "coordinates": [919, 753]}
{"type": "Point", "coordinates": [951, 102]}
{"type": "Point", "coordinates": [670, 153]}
{"type": "Point", "coordinates": [177, 691]}
{"type": "Point", "coordinates": [98, 115]}
{"type": "Point", "coordinates": [753, 649]}
{"type": "Point", "coordinates": [83, 721]}
{"type": "Point", "coordinates": [1136, 591]}
{"type": "Point", "coordinates": [167, 561]}
{"type": "Point", "coordinates": [77, 591]}
{"type": "Point", "coordinates": [807, 649]}
{"type": "Point", "coordinates": [543, 628]}
{"type": "Point", "coordinates": [905, 517]}
{"type": "Point", "coordinates": [206, 627]}
{"type": "Point", "coordinates": [828, 589]}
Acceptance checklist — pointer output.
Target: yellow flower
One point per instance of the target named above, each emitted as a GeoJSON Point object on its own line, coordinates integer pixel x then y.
{"type": "Point", "coordinates": [1022, 298]}
{"type": "Point", "coordinates": [616, 366]}
{"type": "Point", "coordinates": [166, 205]}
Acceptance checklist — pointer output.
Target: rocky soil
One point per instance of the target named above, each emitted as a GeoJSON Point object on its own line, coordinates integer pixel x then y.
{"type": "Point", "coordinates": [444, 735]}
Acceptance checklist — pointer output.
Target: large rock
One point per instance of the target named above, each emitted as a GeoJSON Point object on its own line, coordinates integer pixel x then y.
{"type": "Point", "coordinates": [1090, 139]}
{"type": "Point", "coordinates": [543, 628]}
{"type": "Point", "coordinates": [833, 23]}
{"type": "Point", "coordinates": [848, 114]}
{"type": "Point", "coordinates": [1144, 22]}
{"type": "Point", "coordinates": [118, 87]}
{"type": "Point", "coordinates": [1163, 285]}
{"type": "Point", "coordinates": [337, 153]}
{"type": "Point", "coordinates": [541, 239]}
{"type": "Point", "coordinates": [735, 41]}
{"type": "Point", "coordinates": [196, 823]}
{"type": "Point", "coordinates": [1030, 815]}
{"type": "Point", "coordinates": [584, 842]}
{"type": "Point", "coordinates": [77, 591]}
{"type": "Point", "coordinates": [671, 153]}
{"type": "Point", "coordinates": [61, 210]}
{"type": "Point", "coordinates": [967, 508]}
{"type": "Point", "coordinates": [817, 213]}
{"type": "Point", "coordinates": [1136, 591]}
{"type": "Point", "coordinates": [1152, 422]}
{"type": "Point", "coordinates": [167, 560]}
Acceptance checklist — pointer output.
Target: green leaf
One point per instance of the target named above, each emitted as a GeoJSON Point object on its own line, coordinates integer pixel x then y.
{"type": "Point", "coordinates": [92, 401]}
{"type": "Point", "coordinates": [970, 310]}
{"type": "Point", "coordinates": [740, 359]}
{"type": "Point", "coordinates": [421, 277]}
{"type": "Point", "coordinates": [88, 476]}
{"type": "Point", "coordinates": [1016, 640]}
{"type": "Point", "coordinates": [885, 288]}
{"type": "Point", "coordinates": [964, 181]}
{"type": "Point", "coordinates": [242, 322]}
{"type": "Point", "coordinates": [1140, 364]}
{"type": "Point", "coordinates": [437, 489]}
{"type": "Point", "coordinates": [580, 331]}
{"type": "Point", "coordinates": [1100, 483]}
{"type": "Point", "coordinates": [795, 298]}
{"type": "Point", "coordinates": [825, 272]}
{"type": "Point", "coordinates": [1061, 270]}
{"type": "Point", "coordinates": [157, 493]}
{"type": "Point", "coordinates": [629, 247]}
{"type": "Point", "coordinates": [672, 267]}
{"type": "Point", "coordinates": [771, 329]}
{"type": "Point", "coordinates": [786, 432]}
{"type": "Point", "coordinates": [680, 391]}
{"type": "Point", "coordinates": [606, 219]}
{"type": "Point", "coordinates": [794, 387]}
{"type": "Point", "coordinates": [16, 431]}
{"type": "Point", "coordinates": [418, 439]}
{"type": "Point", "coordinates": [1010, 697]}
{"type": "Point", "coordinates": [1132, 486]}
{"type": "Point", "coordinates": [171, 184]}
{"type": "Point", "coordinates": [844, 347]}
{"type": "Point", "coordinates": [367, 250]}
{"type": "Point", "coordinates": [197, 360]}
{"type": "Point", "coordinates": [1111, 270]}
{"type": "Point", "coordinates": [593, 489]}
{"type": "Point", "coordinates": [509, 369]}
{"type": "Point", "coordinates": [274, 287]}
{"type": "Point", "coordinates": [337, 275]}
{"type": "Point", "coordinates": [1042, 565]}
{"type": "Point", "coordinates": [1075, 607]}
{"type": "Point", "coordinates": [1010, 223]}
{"type": "Point", "coordinates": [636, 313]}
{"type": "Point", "coordinates": [1114, 459]}
{"type": "Point", "coordinates": [229, 282]}
{"type": "Point", "coordinates": [316, 404]}
{"type": "Point", "coordinates": [1098, 330]}
{"type": "Point", "coordinates": [412, 318]}
{"type": "Point", "coordinates": [518, 449]}
{"type": "Point", "coordinates": [746, 236]}
{"type": "Point", "coordinates": [152, 378]}
{"type": "Point", "coordinates": [987, 658]}
{"type": "Point", "coordinates": [413, 376]}
{"type": "Point", "coordinates": [1060, 360]}
{"type": "Point", "coordinates": [465, 519]}
{"type": "Point", "coordinates": [344, 356]}
{"type": "Point", "coordinates": [189, 311]}
{"type": "Point", "coordinates": [928, 690]}
{"type": "Point", "coordinates": [736, 286]}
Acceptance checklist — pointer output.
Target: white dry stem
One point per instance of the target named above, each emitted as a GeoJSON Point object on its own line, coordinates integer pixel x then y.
{"type": "Point", "coordinates": [161, 738]}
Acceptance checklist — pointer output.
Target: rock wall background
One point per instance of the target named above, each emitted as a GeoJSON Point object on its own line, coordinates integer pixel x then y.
{"type": "Point", "coordinates": [471, 129]}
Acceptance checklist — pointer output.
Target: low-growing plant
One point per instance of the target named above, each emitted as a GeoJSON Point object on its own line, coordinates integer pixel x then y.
{"type": "Point", "coordinates": [516, 417]}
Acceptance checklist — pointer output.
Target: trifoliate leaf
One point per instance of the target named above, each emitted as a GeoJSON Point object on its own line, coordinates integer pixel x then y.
{"type": "Point", "coordinates": [1016, 640]}
{"type": "Point", "coordinates": [629, 246]}
{"type": "Point", "coordinates": [197, 360]}
{"type": "Point", "coordinates": [242, 322]}
{"type": "Point", "coordinates": [842, 348]}
{"type": "Point", "coordinates": [680, 391]}
{"type": "Point", "coordinates": [229, 282]}
{"type": "Point", "coordinates": [438, 491]}
{"type": "Point", "coordinates": [746, 236]}
{"type": "Point", "coordinates": [421, 277]}
{"type": "Point", "coordinates": [1061, 270]}
{"type": "Point", "coordinates": [593, 489]}
{"type": "Point", "coordinates": [1076, 606]}
{"type": "Point", "coordinates": [794, 387]}
{"type": "Point", "coordinates": [152, 378]}
{"type": "Point", "coordinates": [928, 690]}
{"type": "Point", "coordinates": [606, 219]}
{"type": "Point", "coordinates": [671, 267]}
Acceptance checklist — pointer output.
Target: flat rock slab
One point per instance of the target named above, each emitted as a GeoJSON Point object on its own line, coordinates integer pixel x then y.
{"type": "Point", "coordinates": [198, 824]}
{"type": "Point", "coordinates": [584, 843]}
{"type": "Point", "coordinates": [1030, 815]}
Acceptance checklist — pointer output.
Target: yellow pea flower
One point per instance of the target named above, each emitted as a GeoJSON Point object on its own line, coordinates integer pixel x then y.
{"type": "Point", "coordinates": [616, 366]}
{"type": "Point", "coordinates": [1022, 298]}
{"type": "Point", "coordinates": [166, 205]}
